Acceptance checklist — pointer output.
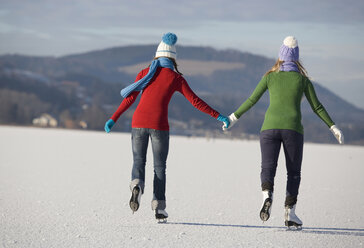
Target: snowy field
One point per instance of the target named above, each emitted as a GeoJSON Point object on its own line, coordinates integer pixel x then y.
{"type": "Point", "coordinates": [61, 188]}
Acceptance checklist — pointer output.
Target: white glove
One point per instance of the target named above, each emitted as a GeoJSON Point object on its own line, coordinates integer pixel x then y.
{"type": "Point", "coordinates": [232, 119]}
{"type": "Point", "coordinates": [337, 133]}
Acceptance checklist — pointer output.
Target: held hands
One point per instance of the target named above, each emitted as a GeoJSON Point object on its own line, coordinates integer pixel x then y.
{"type": "Point", "coordinates": [108, 125]}
{"type": "Point", "coordinates": [225, 120]}
{"type": "Point", "coordinates": [232, 119]}
{"type": "Point", "coordinates": [338, 134]}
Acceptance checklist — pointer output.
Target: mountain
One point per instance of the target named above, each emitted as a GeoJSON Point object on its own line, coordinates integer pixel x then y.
{"type": "Point", "coordinates": [85, 87]}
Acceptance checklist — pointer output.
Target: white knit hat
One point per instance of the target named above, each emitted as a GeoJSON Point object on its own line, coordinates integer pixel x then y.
{"type": "Point", "coordinates": [167, 46]}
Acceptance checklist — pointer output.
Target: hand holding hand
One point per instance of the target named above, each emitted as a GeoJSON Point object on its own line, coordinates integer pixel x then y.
{"type": "Point", "coordinates": [338, 134]}
{"type": "Point", "coordinates": [225, 120]}
{"type": "Point", "coordinates": [233, 120]}
{"type": "Point", "coordinates": [108, 125]}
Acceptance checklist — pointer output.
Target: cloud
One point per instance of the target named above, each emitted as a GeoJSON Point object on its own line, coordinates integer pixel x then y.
{"type": "Point", "coordinates": [6, 29]}
{"type": "Point", "coordinates": [94, 13]}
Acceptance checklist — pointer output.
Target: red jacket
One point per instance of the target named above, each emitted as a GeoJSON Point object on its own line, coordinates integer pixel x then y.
{"type": "Point", "coordinates": [152, 110]}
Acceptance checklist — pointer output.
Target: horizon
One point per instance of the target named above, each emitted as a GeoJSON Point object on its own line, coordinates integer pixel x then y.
{"type": "Point", "coordinates": [122, 46]}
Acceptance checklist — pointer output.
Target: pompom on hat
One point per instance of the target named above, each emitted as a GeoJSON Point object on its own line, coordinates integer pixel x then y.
{"type": "Point", "coordinates": [289, 50]}
{"type": "Point", "coordinates": [167, 46]}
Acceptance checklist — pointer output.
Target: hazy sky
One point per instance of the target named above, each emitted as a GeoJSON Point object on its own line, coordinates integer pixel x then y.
{"type": "Point", "coordinates": [330, 32]}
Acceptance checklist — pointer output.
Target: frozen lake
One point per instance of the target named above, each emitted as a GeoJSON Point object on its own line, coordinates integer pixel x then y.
{"type": "Point", "coordinates": [61, 188]}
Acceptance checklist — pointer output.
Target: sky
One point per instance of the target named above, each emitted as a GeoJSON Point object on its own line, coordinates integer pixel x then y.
{"type": "Point", "coordinates": [329, 32]}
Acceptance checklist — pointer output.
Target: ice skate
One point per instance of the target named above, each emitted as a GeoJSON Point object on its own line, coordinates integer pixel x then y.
{"type": "Point", "coordinates": [267, 205]}
{"type": "Point", "coordinates": [161, 215]}
{"type": "Point", "coordinates": [291, 220]}
{"type": "Point", "coordinates": [136, 195]}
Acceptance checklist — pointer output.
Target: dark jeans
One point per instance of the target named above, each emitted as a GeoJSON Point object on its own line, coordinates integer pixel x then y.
{"type": "Point", "coordinates": [160, 146]}
{"type": "Point", "coordinates": [270, 144]}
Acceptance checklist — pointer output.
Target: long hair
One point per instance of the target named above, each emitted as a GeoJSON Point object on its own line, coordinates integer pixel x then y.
{"type": "Point", "coordinates": [174, 64]}
{"type": "Point", "coordinates": [277, 66]}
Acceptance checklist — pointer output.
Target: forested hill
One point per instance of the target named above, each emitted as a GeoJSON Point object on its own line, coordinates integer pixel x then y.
{"type": "Point", "coordinates": [85, 87]}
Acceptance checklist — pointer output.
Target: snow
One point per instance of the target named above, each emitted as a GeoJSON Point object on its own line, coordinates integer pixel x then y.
{"type": "Point", "coordinates": [61, 188]}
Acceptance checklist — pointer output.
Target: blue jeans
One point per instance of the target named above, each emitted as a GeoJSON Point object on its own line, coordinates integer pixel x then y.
{"type": "Point", "coordinates": [160, 146]}
{"type": "Point", "coordinates": [270, 145]}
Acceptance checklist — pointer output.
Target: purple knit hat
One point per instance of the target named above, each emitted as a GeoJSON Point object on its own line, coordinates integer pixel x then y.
{"type": "Point", "coordinates": [289, 50]}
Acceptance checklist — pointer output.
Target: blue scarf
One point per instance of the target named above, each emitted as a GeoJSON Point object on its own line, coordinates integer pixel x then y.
{"type": "Point", "coordinates": [142, 83]}
{"type": "Point", "coordinates": [289, 66]}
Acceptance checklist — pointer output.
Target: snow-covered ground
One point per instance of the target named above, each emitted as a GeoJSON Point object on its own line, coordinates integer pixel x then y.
{"type": "Point", "coordinates": [62, 188]}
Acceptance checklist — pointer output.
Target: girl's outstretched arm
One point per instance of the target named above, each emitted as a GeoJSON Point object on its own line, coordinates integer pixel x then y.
{"type": "Point", "coordinates": [321, 112]}
{"type": "Point", "coordinates": [198, 103]}
{"type": "Point", "coordinates": [250, 102]}
{"type": "Point", "coordinates": [124, 105]}
{"type": "Point", "coordinates": [253, 98]}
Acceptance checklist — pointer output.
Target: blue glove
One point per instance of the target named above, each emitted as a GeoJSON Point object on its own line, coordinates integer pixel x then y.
{"type": "Point", "coordinates": [108, 125]}
{"type": "Point", "coordinates": [224, 119]}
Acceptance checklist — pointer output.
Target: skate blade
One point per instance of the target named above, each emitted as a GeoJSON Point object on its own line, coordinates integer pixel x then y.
{"type": "Point", "coordinates": [161, 221]}
{"type": "Point", "coordinates": [134, 203]}
{"type": "Point", "coordinates": [292, 226]}
{"type": "Point", "coordinates": [264, 213]}
{"type": "Point", "coordinates": [161, 218]}
{"type": "Point", "coordinates": [134, 206]}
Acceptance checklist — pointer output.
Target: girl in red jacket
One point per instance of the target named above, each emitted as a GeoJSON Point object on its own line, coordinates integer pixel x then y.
{"type": "Point", "coordinates": [158, 83]}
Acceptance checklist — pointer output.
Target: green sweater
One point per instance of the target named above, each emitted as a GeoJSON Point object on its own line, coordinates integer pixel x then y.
{"type": "Point", "coordinates": [285, 92]}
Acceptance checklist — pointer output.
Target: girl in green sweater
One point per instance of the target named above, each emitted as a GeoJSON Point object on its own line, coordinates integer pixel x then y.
{"type": "Point", "coordinates": [286, 82]}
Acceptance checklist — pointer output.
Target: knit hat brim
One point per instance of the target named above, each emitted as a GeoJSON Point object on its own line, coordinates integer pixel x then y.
{"type": "Point", "coordinates": [165, 50]}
